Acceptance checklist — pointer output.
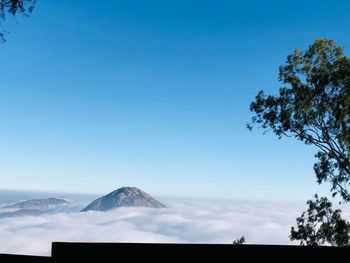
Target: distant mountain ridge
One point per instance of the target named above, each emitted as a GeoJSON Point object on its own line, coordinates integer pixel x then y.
{"type": "Point", "coordinates": [22, 212]}
{"type": "Point", "coordinates": [31, 207]}
{"type": "Point", "coordinates": [38, 204]}
{"type": "Point", "coordinates": [125, 196]}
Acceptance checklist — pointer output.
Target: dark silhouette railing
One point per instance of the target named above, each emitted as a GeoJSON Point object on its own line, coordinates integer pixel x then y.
{"type": "Point", "coordinates": [144, 252]}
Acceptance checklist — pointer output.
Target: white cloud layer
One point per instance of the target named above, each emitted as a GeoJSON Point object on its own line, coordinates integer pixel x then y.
{"type": "Point", "coordinates": [195, 221]}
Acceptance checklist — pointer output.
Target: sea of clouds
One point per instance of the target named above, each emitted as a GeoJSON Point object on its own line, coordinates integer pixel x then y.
{"type": "Point", "coordinates": [184, 221]}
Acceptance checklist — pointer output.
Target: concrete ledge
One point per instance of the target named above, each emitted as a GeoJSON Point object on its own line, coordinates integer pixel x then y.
{"type": "Point", "coordinates": [183, 253]}
{"type": "Point", "coordinates": [136, 252]}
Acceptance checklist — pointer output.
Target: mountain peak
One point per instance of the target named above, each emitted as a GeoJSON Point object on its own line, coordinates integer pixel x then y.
{"type": "Point", "coordinates": [124, 196]}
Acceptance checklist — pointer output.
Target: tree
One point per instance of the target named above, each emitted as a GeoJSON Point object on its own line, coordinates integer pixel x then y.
{"type": "Point", "coordinates": [239, 241]}
{"type": "Point", "coordinates": [12, 7]}
{"type": "Point", "coordinates": [320, 225]}
{"type": "Point", "coordinates": [313, 106]}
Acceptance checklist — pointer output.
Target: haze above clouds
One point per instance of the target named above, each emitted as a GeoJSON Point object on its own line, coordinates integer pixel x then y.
{"type": "Point", "coordinates": [184, 221]}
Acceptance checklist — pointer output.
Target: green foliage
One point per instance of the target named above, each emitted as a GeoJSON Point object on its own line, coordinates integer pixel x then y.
{"type": "Point", "coordinates": [239, 241]}
{"type": "Point", "coordinates": [313, 105]}
{"type": "Point", "coordinates": [12, 7]}
{"type": "Point", "coordinates": [321, 225]}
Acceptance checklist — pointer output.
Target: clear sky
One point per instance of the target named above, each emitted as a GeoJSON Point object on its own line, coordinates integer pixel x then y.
{"type": "Point", "coordinates": [155, 94]}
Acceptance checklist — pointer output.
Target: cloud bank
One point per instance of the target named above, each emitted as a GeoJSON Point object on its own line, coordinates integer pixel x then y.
{"type": "Point", "coordinates": [195, 221]}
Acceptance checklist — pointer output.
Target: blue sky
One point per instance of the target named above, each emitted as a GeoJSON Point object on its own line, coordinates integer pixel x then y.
{"type": "Point", "coordinates": [155, 94]}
